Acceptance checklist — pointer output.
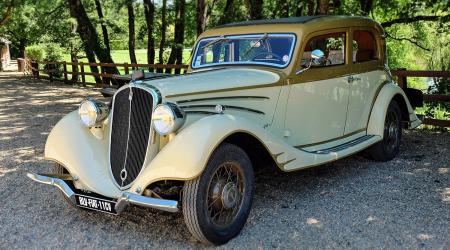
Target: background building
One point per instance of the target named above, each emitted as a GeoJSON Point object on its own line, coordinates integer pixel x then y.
{"type": "Point", "coordinates": [5, 56]}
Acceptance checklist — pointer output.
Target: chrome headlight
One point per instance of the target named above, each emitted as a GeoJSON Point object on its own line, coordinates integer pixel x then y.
{"type": "Point", "coordinates": [167, 118]}
{"type": "Point", "coordinates": [92, 112]}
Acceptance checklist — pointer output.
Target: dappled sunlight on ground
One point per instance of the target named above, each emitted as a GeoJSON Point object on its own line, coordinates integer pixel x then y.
{"type": "Point", "coordinates": [351, 203]}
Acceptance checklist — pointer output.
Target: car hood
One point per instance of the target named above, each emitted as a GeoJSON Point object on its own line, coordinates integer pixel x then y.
{"type": "Point", "coordinates": [213, 80]}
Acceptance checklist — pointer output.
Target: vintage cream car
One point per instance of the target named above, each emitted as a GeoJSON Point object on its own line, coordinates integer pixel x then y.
{"type": "Point", "coordinates": [295, 92]}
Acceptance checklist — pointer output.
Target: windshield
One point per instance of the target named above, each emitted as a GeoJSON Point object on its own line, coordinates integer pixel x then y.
{"type": "Point", "coordinates": [261, 49]}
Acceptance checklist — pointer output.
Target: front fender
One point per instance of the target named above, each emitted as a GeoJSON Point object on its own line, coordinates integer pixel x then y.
{"type": "Point", "coordinates": [74, 146]}
{"type": "Point", "coordinates": [187, 154]}
{"type": "Point", "coordinates": [378, 114]}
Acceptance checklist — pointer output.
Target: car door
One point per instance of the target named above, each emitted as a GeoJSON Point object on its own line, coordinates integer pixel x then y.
{"type": "Point", "coordinates": [366, 78]}
{"type": "Point", "coordinates": [317, 103]}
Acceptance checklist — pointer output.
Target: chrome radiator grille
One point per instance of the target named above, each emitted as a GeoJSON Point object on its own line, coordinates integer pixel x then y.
{"type": "Point", "coordinates": [130, 133]}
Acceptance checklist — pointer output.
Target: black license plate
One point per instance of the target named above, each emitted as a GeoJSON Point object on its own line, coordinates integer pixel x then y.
{"type": "Point", "coordinates": [96, 204]}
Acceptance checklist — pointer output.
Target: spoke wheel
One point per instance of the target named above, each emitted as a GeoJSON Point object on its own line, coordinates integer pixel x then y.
{"type": "Point", "coordinates": [226, 191]}
{"type": "Point", "coordinates": [391, 131]}
{"type": "Point", "coordinates": [217, 203]}
{"type": "Point", "coordinates": [389, 147]}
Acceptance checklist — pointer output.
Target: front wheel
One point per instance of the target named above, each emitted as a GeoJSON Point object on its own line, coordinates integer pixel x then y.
{"type": "Point", "coordinates": [389, 147]}
{"type": "Point", "coordinates": [217, 203]}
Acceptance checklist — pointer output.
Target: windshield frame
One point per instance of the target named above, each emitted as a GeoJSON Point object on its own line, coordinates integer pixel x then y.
{"type": "Point", "coordinates": [243, 63]}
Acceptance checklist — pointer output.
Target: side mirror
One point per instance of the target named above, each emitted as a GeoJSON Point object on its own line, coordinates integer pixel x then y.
{"type": "Point", "coordinates": [317, 58]}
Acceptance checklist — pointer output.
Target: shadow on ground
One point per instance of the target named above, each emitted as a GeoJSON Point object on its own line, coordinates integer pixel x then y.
{"type": "Point", "coordinates": [352, 203]}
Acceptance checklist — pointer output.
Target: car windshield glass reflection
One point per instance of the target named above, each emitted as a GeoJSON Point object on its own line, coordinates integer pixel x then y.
{"type": "Point", "coordinates": [265, 49]}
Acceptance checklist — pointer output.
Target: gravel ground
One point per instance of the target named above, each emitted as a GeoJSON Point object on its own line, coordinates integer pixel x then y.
{"type": "Point", "coordinates": [352, 203]}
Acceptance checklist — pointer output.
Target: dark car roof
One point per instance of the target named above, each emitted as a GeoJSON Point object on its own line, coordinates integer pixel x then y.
{"type": "Point", "coordinates": [294, 20]}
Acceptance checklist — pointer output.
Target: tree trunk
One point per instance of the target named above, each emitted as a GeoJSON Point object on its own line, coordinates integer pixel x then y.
{"type": "Point", "coordinates": [366, 6]}
{"type": "Point", "coordinates": [284, 8]}
{"type": "Point", "coordinates": [310, 5]}
{"type": "Point", "coordinates": [201, 16]}
{"type": "Point", "coordinates": [176, 55]}
{"type": "Point", "coordinates": [255, 8]}
{"type": "Point", "coordinates": [89, 36]}
{"type": "Point", "coordinates": [5, 16]}
{"type": "Point", "coordinates": [228, 13]}
{"type": "Point", "coordinates": [149, 11]}
{"type": "Point", "coordinates": [323, 7]}
{"type": "Point", "coordinates": [131, 32]}
{"type": "Point", "coordinates": [91, 59]}
{"type": "Point", "coordinates": [74, 59]}
{"type": "Point", "coordinates": [21, 47]}
{"type": "Point", "coordinates": [98, 6]}
{"type": "Point", "coordinates": [162, 43]}
{"type": "Point", "coordinates": [299, 8]}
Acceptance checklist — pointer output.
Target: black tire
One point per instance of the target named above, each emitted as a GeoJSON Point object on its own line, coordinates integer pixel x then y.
{"type": "Point", "coordinates": [233, 196]}
{"type": "Point", "coordinates": [58, 169]}
{"type": "Point", "coordinates": [389, 147]}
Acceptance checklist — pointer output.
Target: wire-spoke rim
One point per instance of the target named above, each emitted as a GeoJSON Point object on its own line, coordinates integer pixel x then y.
{"type": "Point", "coordinates": [225, 194]}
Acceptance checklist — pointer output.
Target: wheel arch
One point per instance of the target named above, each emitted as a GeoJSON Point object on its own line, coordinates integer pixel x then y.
{"type": "Point", "coordinates": [403, 107]}
{"type": "Point", "coordinates": [389, 92]}
{"type": "Point", "coordinates": [255, 149]}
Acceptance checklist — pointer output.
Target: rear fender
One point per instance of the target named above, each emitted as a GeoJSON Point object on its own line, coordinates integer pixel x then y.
{"type": "Point", "coordinates": [388, 92]}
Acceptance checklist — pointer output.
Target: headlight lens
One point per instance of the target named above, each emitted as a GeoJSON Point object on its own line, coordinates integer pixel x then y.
{"type": "Point", "coordinates": [167, 118]}
{"type": "Point", "coordinates": [92, 112]}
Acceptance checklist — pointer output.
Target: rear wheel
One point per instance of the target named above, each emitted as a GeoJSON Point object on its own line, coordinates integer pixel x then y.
{"type": "Point", "coordinates": [389, 147]}
{"type": "Point", "coordinates": [217, 203]}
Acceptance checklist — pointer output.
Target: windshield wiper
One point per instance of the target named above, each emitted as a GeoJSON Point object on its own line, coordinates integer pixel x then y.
{"type": "Point", "coordinates": [260, 40]}
{"type": "Point", "coordinates": [215, 41]}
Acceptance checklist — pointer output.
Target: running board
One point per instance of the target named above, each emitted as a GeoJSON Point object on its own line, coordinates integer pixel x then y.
{"type": "Point", "coordinates": [341, 147]}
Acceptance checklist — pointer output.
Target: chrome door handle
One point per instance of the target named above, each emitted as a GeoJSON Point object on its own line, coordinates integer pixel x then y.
{"type": "Point", "coordinates": [351, 79]}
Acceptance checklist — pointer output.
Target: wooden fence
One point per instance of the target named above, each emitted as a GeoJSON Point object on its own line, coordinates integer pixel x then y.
{"type": "Point", "coordinates": [76, 72]}
{"type": "Point", "coordinates": [402, 76]}
{"type": "Point", "coordinates": [45, 70]}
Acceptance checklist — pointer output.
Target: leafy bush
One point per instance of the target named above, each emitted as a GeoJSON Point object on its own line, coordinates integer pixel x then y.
{"type": "Point", "coordinates": [53, 52]}
{"type": "Point", "coordinates": [34, 52]}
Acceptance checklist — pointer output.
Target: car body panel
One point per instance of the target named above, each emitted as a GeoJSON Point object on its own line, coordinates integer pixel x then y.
{"type": "Point", "coordinates": [302, 120]}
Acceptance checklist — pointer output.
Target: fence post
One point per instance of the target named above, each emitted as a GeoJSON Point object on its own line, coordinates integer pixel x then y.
{"type": "Point", "coordinates": [127, 70]}
{"type": "Point", "coordinates": [65, 72]}
{"type": "Point", "coordinates": [83, 77]}
{"type": "Point", "coordinates": [102, 71]}
{"type": "Point", "coordinates": [402, 82]}
{"type": "Point", "coordinates": [51, 69]}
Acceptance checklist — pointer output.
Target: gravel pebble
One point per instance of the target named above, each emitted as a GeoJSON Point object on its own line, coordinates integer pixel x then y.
{"type": "Point", "coordinates": [351, 203]}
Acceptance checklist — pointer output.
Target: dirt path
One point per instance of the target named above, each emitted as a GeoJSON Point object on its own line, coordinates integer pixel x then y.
{"type": "Point", "coordinates": [352, 203]}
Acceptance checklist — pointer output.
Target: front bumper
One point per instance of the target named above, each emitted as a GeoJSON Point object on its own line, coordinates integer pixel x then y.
{"type": "Point", "coordinates": [123, 201]}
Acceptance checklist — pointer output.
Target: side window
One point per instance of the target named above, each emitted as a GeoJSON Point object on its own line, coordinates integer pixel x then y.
{"type": "Point", "coordinates": [364, 46]}
{"type": "Point", "coordinates": [332, 45]}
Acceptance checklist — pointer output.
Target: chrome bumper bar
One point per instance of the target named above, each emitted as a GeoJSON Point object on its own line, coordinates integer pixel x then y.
{"type": "Point", "coordinates": [122, 202]}
{"type": "Point", "coordinates": [67, 191]}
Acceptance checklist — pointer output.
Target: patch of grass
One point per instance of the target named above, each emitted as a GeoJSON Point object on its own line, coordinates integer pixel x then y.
{"type": "Point", "coordinates": [438, 112]}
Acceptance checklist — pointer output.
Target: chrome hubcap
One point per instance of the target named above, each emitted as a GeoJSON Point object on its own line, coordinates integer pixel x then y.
{"type": "Point", "coordinates": [230, 195]}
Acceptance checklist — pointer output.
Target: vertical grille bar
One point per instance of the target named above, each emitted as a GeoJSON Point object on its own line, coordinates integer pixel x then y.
{"type": "Point", "coordinates": [130, 133]}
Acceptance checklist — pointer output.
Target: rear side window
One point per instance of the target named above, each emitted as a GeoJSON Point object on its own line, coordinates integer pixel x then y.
{"type": "Point", "coordinates": [364, 46]}
{"type": "Point", "coordinates": [332, 45]}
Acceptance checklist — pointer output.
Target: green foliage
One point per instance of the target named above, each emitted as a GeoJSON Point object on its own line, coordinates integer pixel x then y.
{"type": "Point", "coordinates": [53, 52]}
{"type": "Point", "coordinates": [35, 52]}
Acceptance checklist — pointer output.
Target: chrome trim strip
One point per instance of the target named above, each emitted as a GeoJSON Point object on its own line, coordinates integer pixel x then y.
{"type": "Point", "coordinates": [67, 191]}
{"type": "Point", "coordinates": [341, 146]}
{"type": "Point", "coordinates": [200, 112]}
{"type": "Point", "coordinates": [225, 106]}
{"type": "Point", "coordinates": [222, 98]}
{"type": "Point", "coordinates": [144, 201]}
